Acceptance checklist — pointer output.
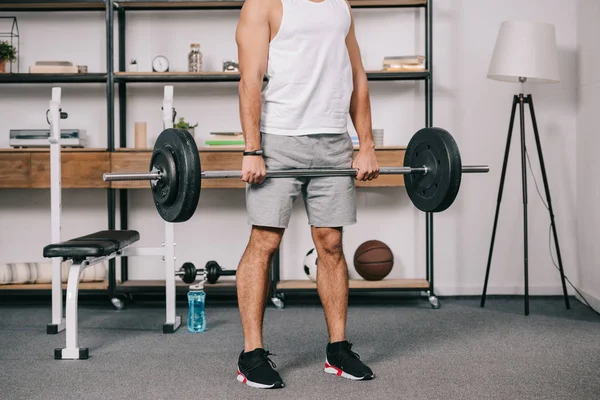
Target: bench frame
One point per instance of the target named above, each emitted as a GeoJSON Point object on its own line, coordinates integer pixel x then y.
{"type": "Point", "coordinates": [72, 351]}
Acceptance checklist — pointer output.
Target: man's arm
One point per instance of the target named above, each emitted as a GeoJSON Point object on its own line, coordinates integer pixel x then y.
{"type": "Point", "coordinates": [252, 37]}
{"type": "Point", "coordinates": [360, 110]}
{"type": "Point", "coordinates": [360, 104]}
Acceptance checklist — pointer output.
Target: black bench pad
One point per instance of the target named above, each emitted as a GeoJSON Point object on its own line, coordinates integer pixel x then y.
{"type": "Point", "coordinates": [97, 244]}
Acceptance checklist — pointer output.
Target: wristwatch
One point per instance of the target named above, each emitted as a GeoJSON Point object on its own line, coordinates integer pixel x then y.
{"type": "Point", "coordinates": [258, 152]}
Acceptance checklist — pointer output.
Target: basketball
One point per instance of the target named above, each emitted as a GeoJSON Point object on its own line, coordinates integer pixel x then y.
{"type": "Point", "coordinates": [373, 260]}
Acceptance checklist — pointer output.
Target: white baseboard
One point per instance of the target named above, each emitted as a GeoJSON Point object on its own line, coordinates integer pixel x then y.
{"type": "Point", "coordinates": [476, 290]}
{"type": "Point", "coordinates": [592, 299]}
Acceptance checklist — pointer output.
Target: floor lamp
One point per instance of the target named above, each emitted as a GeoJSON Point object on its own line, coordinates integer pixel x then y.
{"type": "Point", "coordinates": [525, 52]}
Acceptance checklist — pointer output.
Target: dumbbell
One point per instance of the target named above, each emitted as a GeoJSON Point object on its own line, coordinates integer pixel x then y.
{"type": "Point", "coordinates": [212, 271]}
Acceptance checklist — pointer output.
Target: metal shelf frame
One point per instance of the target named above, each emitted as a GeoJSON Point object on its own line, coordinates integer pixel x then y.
{"type": "Point", "coordinates": [52, 5]}
{"type": "Point", "coordinates": [121, 79]}
{"type": "Point", "coordinates": [53, 78]}
{"type": "Point", "coordinates": [232, 77]}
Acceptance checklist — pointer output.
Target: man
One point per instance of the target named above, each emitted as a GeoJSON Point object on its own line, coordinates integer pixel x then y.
{"type": "Point", "coordinates": [308, 50]}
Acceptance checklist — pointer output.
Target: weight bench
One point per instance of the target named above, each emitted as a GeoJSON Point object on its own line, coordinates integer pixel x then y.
{"type": "Point", "coordinates": [90, 249]}
{"type": "Point", "coordinates": [85, 251]}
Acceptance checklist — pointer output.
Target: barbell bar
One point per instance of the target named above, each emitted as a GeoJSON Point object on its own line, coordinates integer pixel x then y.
{"type": "Point", "coordinates": [432, 167]}
{"type": "Point", "coordinates": [291, 173]}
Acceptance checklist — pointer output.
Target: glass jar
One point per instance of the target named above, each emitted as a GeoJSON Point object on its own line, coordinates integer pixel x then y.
{"type": "Point", "coordinates": [195, 59]}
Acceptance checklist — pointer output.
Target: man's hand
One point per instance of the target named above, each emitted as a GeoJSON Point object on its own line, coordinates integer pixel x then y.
{"type": "Point", "coordinates": [253, 169]}
{"type": "Point", "coordinates": [366, 163]}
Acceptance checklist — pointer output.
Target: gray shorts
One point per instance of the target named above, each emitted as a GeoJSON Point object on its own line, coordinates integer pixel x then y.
{"type": "Point", "coordinates": [329, 201]}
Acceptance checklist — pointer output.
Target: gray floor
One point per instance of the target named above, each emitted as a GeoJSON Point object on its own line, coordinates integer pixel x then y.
{"type": "Point", "coordinates": [457, 352]}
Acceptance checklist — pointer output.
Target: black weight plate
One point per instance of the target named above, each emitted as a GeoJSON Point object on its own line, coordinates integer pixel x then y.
{"type": "Point", "coordinates": [189, 271]}
{"type": "Point", "coordinates": [436, 149]}
{"type": "Point", "coordinates": [165, 189]}
{"type": "Point", "coordinates": [183, 147]}
{"type": "Point", "coordinates": [212, 271]}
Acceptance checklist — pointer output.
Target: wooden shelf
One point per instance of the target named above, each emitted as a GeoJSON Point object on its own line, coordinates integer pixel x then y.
{"type": "Point", "coordinates": [220, 149]}
{"type": "Point", "coordinates": [305, 284]}
{"type": "Point", "coordinates": [231, 159]}
{"type": "Point", "coordinates": [53, 78]}
{"type": "Point", "coordinates": [47, 150]}
{"type": "Point", "coordinates": [219, 76]}
{"type": "Point", "coordinates": [52, 5]}
{"type": "Point", "coordinates": [83, 168]}
{"type": "Point", "coordinates": [416, 284]}
{"type": "Point", "coordinates": [48, 286]}
{"type": "Point", "coordinates": [139, 284]}
{"type": "Point", "coordinates": [29, 168]}
{"type": "Point", "coordinates": [228, 4]}
{"type": "Point", "coordinates": [155, 77]}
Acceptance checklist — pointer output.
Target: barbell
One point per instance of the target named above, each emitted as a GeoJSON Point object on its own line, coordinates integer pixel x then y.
{"type": "Point", "coordinates": [432, 165]}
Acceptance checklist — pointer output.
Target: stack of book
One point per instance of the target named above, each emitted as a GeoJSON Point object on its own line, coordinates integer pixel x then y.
{"type": "Point", "coordinates": [404, 63]}
{"type": "Point", "coordinates": [222, 139]}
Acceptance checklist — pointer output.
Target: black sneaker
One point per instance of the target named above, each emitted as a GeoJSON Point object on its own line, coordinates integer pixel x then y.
{"type": "Point", "coordinates": [342, 361]}
{"type": "Point", "coordinates": [256, 370]}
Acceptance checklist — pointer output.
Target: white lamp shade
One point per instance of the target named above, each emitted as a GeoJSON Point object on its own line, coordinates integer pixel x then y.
{"type": "Point", "coordinates": [525, 49]}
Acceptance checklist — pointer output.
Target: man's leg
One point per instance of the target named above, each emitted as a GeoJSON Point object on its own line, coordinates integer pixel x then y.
{"type": "Point", "coordinates": [255, 368]}
{"type": "Point", "coordinates": [332, 280]}
{"type": "Point", "coordinates": [332, 285]}
{"type": "Point", "coordinates": [252, 282]}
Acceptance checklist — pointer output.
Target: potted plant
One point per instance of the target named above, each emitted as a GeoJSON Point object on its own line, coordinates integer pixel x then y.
{"type": "Point", "coordinates": [133, 66]}
{"type": "Point", "coordinates": [8, 53]}
{"type": "Point", "coordinates": [183, 124]}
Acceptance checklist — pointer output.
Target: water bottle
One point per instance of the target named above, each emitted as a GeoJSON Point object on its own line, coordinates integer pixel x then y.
{"type": "Point", "coordinates": [196, 321]}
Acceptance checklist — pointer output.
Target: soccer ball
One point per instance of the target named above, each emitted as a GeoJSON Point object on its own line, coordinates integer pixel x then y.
{"type": "Point", "coordinates": [310, 264]}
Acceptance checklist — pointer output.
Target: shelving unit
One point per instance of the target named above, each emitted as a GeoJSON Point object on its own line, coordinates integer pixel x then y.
{"type": "Point", "coordinates": [30, 168]}
{"type": "Point", "coordinates": [120, 79]}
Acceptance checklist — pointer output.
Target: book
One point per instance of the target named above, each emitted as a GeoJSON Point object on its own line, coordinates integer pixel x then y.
{"type": "Point", "coordinates": [235, 138]}
{"type": "Point", "coordinates": [404, 63]}
{"type": "Point", "coordinates": [224, 142]}
{"type": "Point", "coordinates": [227, 133]}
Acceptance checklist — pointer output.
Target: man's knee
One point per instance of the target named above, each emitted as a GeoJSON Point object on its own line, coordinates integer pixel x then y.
{"type": "Point", "coordinates": [265, 240]}
{"type": "Point", "coordinates": [328, 242]}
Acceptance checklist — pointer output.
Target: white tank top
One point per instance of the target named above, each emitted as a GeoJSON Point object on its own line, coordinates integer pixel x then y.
{"type": "Point", "coordinates": [309, 71]}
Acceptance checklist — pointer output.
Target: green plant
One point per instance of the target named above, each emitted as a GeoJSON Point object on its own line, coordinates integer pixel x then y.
{"type": "Point", "coordinates": [183, 124]}
{"type": "Point", "coordinates": [8, 53]}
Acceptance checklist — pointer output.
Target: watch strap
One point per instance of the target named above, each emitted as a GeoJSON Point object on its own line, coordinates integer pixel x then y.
{"type": "Point", "coordinates": [253, 153]}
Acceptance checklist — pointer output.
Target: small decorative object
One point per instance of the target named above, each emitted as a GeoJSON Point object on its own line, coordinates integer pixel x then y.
{"type": "Point", "coordinates": [11, 37]}
{"type": "Point", "coordinates": [140, 135]}
{"type": "Point", "coordinates": [230, 66]}
{"type": "Point", "coordinates": [373, 260]}
{"type": "Point", "coordinates": [53, 67]}
{"type": "Point", "coordinates": [195, 58]}
{"type": "Point", "coordinates": [310, 264]}
{"type": "Point", "coordinates": [133, 66]}
{"type": "Point", "coordinates": [183, 124]}
{"type": "Point", "coordinates": [82, 69]}
{"type": "Point", "coordinates": [160, 64]}
{"type": "Point", "coordinates": [8, 53]}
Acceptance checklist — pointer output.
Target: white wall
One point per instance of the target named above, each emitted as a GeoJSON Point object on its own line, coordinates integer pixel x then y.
{"type": "Point", "coordinates": [588, 181]}
{"type": "Point", "coordinates": [474, 109]}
